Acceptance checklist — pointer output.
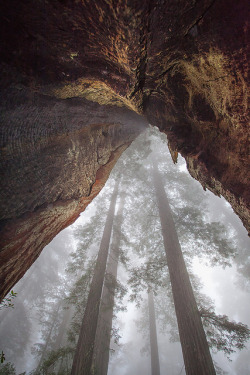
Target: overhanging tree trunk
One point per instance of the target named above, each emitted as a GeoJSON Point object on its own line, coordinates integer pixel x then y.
{"type": "Point", "coordinates": [85, 347]}
{"type": "Point", "coordinates": [155, 364]}
{"type": "Point", "coordinates": [104, 327]}
{"type": "Point", "coordinates": [196, 354]}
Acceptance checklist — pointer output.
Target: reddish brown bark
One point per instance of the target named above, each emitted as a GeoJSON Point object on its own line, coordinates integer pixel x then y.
{"type": "Point", "coordinates": [85, 347]}
{"type": "Point", "coordinates": [182, 64]}
{"type": "Point", "coordinates": [196, 354]}
{"type": "Point", "coordinates": [104, 327]}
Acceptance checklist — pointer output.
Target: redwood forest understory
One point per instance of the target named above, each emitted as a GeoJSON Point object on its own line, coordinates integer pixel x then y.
{"type": "Point", "coordinates": [111, 293]}
{"type": "Point", "coordinates": [81, 80]}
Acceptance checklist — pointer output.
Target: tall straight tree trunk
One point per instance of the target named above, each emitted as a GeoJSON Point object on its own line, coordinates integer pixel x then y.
{"type": "Point", "coordinates": [104, 327]}
{"type": "Point", "coordinates": [196, 354]}
{"type": "Point", "coordinates": [85, 347]}
{"type": "Point", "coordinates": [155, 363]}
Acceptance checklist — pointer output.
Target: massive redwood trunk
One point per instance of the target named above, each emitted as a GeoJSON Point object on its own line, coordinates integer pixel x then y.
{"type": "Point", "coordinates": [83, 358]}
{"type": "Point", "coordinates": [196, 354]}
{"type": "Point", "coordinates": [72, 74]}
{"type": "Point", "coordinates": [155, 363]}
{"type": "Point", "coordinates": [104, 327]}
{"type": "Point", "coordinates": [52, 172]}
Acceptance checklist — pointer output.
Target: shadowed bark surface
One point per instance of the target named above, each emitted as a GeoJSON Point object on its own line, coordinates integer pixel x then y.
{"type": "Point", "coordinates": [73, 72]}
{"type": "Point", "coordinates": [53, 172]}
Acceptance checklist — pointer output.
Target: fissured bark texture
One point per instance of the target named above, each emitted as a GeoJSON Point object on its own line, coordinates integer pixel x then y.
{"type": "Point", "coordinates": [74, 77]}
{"type": "Point", "coordinates": [196, 92]}
{"type": "Point", "coordinates": [56, 157]}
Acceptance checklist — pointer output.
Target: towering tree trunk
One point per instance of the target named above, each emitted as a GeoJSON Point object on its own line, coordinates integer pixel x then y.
{"type": "Point", "coordinates": [103, 333]}
{"type": "Point", "coordinates": [196, 354]}
{"type": "Point", "coordinates": [85, 347]}
{"type": "Point", "coordinates": [155, 364]}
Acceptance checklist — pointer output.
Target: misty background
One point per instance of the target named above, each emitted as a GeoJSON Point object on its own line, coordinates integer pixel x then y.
{"type": "Point", "coordinates": [51, 296]}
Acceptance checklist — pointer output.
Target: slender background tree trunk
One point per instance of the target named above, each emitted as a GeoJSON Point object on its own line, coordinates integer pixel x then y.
{"type": "Point", "coordinates": [196, 354]}
{"type": "Point", "coordinates": [85, 347]}
{"type": "Point", "coordinates": [104, 327]}
{"type": "Point", "coordinates": [155, 363]}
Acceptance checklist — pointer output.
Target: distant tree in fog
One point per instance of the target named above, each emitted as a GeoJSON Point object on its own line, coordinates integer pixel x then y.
{"type": "Point", "coordinates": [7, 369]}
{"type": "Point", "coordinates": [49, 306]}
{"type": "Point", "coordinates": [50, 320]}
{"type": "Point", "coordinates": [19, 324]}
{"type": "Point", "coordinates": [15, 332]}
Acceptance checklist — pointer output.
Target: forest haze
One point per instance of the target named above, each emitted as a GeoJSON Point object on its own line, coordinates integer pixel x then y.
{"type": "Point", "coordinates": [152, 279]}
